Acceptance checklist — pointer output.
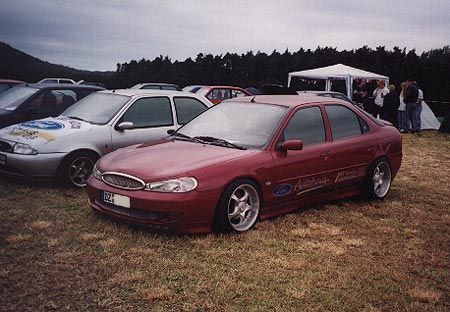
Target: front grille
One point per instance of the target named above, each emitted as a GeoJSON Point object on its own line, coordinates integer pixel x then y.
{"type": "Point", "coordinates": [122, 181]}
{"type": "Point", "coordinates": [5, 146]}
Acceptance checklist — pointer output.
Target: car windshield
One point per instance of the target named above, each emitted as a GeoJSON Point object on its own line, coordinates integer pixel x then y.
{"type": "Point", "coordinates": [12, 98]}
{"type": "Point", "coordinates": [249, 125]}
{"type": "Point", "coordinates": [97, 108]}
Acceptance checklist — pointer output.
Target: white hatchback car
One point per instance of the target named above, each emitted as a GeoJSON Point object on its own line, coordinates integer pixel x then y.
{"type": "Point", "coordinates": [68, 146]}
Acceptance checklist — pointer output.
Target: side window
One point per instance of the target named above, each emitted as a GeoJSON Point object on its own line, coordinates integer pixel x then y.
{"type": "Point", "coordinates": [45, 103]}
{"type": "Point", "coordinates": [219, 94]}
{"type": "Point", "coordinates": [152, 87]}
{"type": "Point", "coordinates": [149, 112]}
{"type": "Point", "coordinates": [237, 93]}
{"type": "Point", "coordinates": [170, 88]}
{"type": "Point", "coordinates": [64, 99]}
{"type": "Point", "coordinates": [187, 108]}
{"type": "Point", "coordinates": [306, 125]}
{"type": "Point", "coordinates": [343, 121]}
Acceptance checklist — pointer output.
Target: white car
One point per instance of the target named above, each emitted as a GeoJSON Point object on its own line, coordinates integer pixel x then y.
{"type": "Point", "coordinates": [68, 146]}
{"type": "Point", "coordinates": [57, 80]}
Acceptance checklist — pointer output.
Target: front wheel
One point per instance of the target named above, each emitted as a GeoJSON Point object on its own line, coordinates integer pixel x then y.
{"type": "Point", "coordinates": [76, 168]}
{"type": "Point", "coordinates": [238, 208]}
{"type": "Point", "coordinates": [379, 179]}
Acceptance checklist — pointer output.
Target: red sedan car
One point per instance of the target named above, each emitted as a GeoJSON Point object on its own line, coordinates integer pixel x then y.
{"type": "Point", "coordinates": [254, 158]}
{"type": "Point", "coordinates": [217, 94]}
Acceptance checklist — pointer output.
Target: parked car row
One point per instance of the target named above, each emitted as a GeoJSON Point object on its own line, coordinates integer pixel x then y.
{"type": "Point", "coordinates": [177, 161]}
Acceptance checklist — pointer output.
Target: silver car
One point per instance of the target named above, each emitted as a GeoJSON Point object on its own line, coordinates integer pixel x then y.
{"type": "Point", "coordinates": [68, 146]}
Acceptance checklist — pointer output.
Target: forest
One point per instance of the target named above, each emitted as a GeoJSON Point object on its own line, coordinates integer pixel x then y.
{"type": "Point", "coordinates": [431, 68]}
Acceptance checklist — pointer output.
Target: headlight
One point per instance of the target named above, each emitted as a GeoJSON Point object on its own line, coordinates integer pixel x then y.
{"type": "Point", "coordinates": [25, 149]}
{"type": "Point", "coordinates": [96, 173]}
{"type": "Point", "coordinates": [180, 185]}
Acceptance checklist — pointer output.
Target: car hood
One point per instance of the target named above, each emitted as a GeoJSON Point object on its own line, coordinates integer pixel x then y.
{"type": "Point", "coordinates": [167, 159]}
{"type": "Point", "coordinates": [38, 132]}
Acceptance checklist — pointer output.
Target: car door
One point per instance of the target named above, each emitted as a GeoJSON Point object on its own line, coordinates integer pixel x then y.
{"type": "Point", "coordinates": [303, 173]}
{"type": "Point", "coordinates": [352, 145]}
{"type": "Point", "coordinates": [151, 117]}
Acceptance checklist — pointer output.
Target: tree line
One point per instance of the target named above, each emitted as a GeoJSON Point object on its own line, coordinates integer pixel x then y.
{"type": "Point", "coordinates": [431, 68]}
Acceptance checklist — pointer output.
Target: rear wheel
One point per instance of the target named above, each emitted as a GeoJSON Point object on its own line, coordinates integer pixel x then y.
{"type": "Point", "coordinates": [379, 179]}
{"type": "Point", "coordinates": [238, 208]}
{"type": "Point", "coordinates": [76, 168]}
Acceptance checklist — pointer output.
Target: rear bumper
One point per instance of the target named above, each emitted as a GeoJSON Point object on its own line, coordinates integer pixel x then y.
{"type": "Point", "coordinates": [190, 212]}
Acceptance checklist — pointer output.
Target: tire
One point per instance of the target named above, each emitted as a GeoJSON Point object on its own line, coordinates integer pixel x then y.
{"type": "Point", "coordinates": [379, 179]}
{"type": "Point", "coordinates": [76, 168]}
{"type": "Point", "coordinates": [238, 207]}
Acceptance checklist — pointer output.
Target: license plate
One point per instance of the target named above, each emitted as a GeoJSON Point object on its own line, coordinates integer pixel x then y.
{"type": "Point", "coordinates": [116, 199]}
{"type": "Point", "coordinates": [2, 159]}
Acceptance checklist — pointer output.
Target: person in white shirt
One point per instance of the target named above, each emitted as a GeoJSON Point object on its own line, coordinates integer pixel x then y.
{"type": "Point", "coordinates": [401, 114]}
{"type": "Point", "coordinates": [378, 95]}
{"type": "Point", "coordinates": [418, 109]}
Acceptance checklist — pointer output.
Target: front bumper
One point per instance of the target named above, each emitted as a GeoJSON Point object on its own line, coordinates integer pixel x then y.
{"type": "Point", "coordinates": [35, 167]}
{"type": "Point", "coordinates": [190, 212]}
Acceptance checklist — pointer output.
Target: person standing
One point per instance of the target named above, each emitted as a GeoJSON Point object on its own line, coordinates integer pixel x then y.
{"type": "Point", "coordinates": [391, 102]}
{"type": "Point", "coordinates": [418, 109]}
{"type": "Point", "coordinates": [401, 113]}
{"type": "Point", "coordinates": [360, 93]}
{"type": "Point", "coordinates": [412, 95]}
{"type": "Point", "coordinates": [378, 94]}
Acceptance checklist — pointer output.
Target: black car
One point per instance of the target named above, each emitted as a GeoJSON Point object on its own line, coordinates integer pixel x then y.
{"type": "Point", "coordinates": [35, 101]}
{"type": "Point", "coordinates": [271, 89]}
{"type": "Point", "coordinates": [333, 94]}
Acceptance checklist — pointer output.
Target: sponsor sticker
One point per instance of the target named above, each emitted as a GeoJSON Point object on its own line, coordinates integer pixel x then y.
{"type": "Point", "coordinates": [42, 125]}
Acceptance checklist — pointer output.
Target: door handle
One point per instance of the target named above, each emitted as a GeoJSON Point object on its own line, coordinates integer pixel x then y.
{"type": "Point", "coordinates": [325, 154]}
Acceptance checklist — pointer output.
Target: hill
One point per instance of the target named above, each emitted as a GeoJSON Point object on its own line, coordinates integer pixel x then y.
{"type": "Point", "coordinates": [16, 64]}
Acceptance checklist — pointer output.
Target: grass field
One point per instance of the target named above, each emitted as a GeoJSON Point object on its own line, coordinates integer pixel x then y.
{"type": "Point", "coordinates": [350, 255]}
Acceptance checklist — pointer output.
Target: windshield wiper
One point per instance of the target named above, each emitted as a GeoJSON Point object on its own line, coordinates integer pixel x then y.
{"type": "Point", "coordinates": [76, 118]}
{"type": "Point", "coordinates": [222, 142]}
{"type": "Point", "coordinates": [184, 136]}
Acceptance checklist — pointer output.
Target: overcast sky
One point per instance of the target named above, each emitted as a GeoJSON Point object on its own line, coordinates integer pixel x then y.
{"type": "Point", "coordinates": [98, 34]}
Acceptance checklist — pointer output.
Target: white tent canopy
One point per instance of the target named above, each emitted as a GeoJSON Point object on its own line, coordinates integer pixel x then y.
{"type": "Point", "coordinates": [337, 72]}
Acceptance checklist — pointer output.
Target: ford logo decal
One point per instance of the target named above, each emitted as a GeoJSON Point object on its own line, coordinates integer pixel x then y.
{"type": "Point", "coordinates": [282, 189]}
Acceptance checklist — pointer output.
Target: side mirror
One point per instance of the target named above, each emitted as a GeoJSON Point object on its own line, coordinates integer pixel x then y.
{"type": "Point", "coordinates": [170, 131]}
{"type": "Point", "coordinates": [125, 125]}
{"type": "Point", "coordinates": [291, 145]}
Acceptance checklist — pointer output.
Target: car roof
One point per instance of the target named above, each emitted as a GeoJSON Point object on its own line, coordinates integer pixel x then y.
{"type": "Point", "coordinates": [223, 87]}
{"type": "Point", "coordinates": [286, 100]}
{"type": "Point", "coordinates": [11, 81]}
{"type": "Point", "coordinates": [321, 92]}
{"type": "Point", "coordinates": [63, 86]}
{"type": "Point", "coordinates": [137, 92]}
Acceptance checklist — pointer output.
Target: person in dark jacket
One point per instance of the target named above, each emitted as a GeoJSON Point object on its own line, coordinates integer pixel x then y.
{"type": "Point", "coordinates": [391, 102]}
{"type": "Point", "coordinates": [412, 94]}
